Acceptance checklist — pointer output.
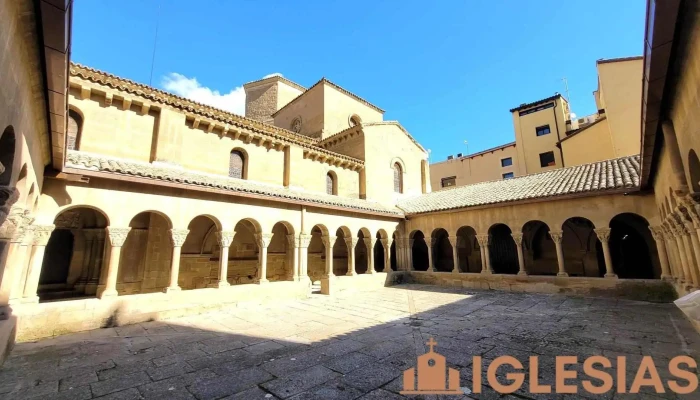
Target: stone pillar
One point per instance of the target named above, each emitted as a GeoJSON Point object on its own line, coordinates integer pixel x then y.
{"type": "Point", "coordinates": [369, 244]}
{"type": "Point", "coordinates": [14, 264]}
{"type": "Point", "coordinates": [350, 242]}
{"type": "Point", "coordinates": [263, 240]}
{"type": "Point", "coordinates": [672, 252]}
{"type": "Point", "coordinates": [224, 240]}
{"type": "Point", "coordinates": [689, 255]}
{"type": "Point", "coordinates": [409, 254]}
{"type": "Point", "coordinates": [386, 245]}
{"type": "Point", "coordinates": [484, 240]}
{"type": "Point", "coordinates": [454, 241]}
{"type": "Point", "coordinates": [695, 246]}
{"type": "Point", "coordinates": [658, 235]}
{"type": "Point", "coordinates": [430, 242]}
{"type": "Point", "coordinates": [117, 237]}
{"type": "Point", "coordinates": [21, 265]}
{"type": "Point", "coordinates": [42, 234]}
{"type": "Point", "coordinates": [604, 237]}
{"type": "Point", "coordinates": [518, 239]}
{"type": "Point", "coordinates": [678, 232]}
{"type": "Point", "coordinates": [177, 239]}
{"type": "Point", "coordinates": [557, 238]}
{"type": "Point", "coordinates": [328, 242]}
{"type": "Point", "coordinates": [304, 241]}
{"type": "Point", "coordinates": [295, 261]}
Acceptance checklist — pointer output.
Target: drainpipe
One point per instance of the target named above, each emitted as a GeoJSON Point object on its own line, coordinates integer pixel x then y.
{"type": "Point", "coordinates": [556, 124]}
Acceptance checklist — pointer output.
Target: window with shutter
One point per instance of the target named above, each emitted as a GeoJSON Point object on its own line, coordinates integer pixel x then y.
{"type": "Point", "coordinates": [236, 164]}
{"type": "Point", "coordinates": [398, 179]}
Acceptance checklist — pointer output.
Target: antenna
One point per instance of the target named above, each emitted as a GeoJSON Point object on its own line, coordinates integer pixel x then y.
{"type": "Point", "coordinates": [155, 41]}
{"type": "Point", "coordinates": [566, 86]}
{"type": "Point", "coordinates": [467, 144]}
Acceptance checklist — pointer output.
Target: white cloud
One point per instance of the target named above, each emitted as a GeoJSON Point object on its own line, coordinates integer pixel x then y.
{"type": "Point", "coordinates": [233, 101]}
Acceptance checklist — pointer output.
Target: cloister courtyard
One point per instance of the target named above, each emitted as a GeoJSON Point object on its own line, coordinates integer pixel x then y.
{"type": "Point", "coordinates": [351, 346]}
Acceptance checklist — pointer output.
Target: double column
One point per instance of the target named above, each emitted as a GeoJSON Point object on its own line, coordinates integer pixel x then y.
{"type": "Point", "coordinates": [224, 240]}
{"type": "Point", "coordinates": [350, 243]}
{"type": "Point", "coordinates": [658, 234]}
{"type": "Point", "coordinates": [518, 239]}
{"type": "Point", "coordinates": [557, 237]}
{"type": "Point", "coordinates": [303, 245]}
{"type": "Point", "coordinates": [177, 239]}
{"type": "Point", "coordinates": [386, 244]}
{"type": "Point", "coordinates": [117, 237]}
{"type": "Point", "coordinates": [293, 244]}
{"type": "Point", "coordinates": [263, 240]}
{"type": "Point", "coordinates": [604, 237]}
{"type": "Point", "coordinates": [484, 241]}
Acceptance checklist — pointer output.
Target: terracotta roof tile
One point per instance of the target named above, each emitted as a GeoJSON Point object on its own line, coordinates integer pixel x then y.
{"type": "Point", "coordinates": [596, 178]}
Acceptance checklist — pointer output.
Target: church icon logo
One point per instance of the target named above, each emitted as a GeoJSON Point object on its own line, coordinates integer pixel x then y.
{"type": "Point", "coordinates": [431, 375]}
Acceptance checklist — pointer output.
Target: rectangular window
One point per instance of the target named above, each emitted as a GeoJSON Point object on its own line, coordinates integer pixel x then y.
{"type": "Point", "coordinates": [547, 159]}
{"type": "Point", "coordinates": [508, 175]}
{"type": "Point", "coordinates": [506, 162]}
{"type": "Point", "coordinates": [449, 181]}
{"type": "Point", "coordinates": [542, 130]}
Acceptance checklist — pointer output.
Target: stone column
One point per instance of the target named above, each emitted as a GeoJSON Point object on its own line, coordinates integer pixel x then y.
{"type": "Point", "coordinates": [409, 253]}
{"type": "Point", "coordinates": [21, 264]}
{"type": "Point", "coordinates": [224, 240]}
{"type": "Point", "coordinates": [672, 252]}
{"type": "Point", "coordinates": [454, 241]}
{"type": "Point", "coordinates": [386, 245]}
{"type": "Point", "coordinates": [430, 242]}
{"type": "Point", "coordinates": [689, 247]}
{"type": "Point", "coordinates": [369, 244]}
{"type": "Point", "coordinates": [87, 261]}
{"type": "Point", "coordinates": [117, 237]}
{"type": "Point", "coordinates": [328, 242]}
{"type": "Point", "coordinates": [350, 242]}
{"type": "Point", "coordinates": [263, 240]}
{"type": "Point", "coordinates": [557, 238]}
{"type": "Point", "coordinates": [682, 255]}
{"type": "Point", "coordinates": [177, 239]}
{"type": "Point", "coordinates": [518, 239]}
{"type": "Point", "coordinates": [14, 261]}
{"type": "Point", "coordinates": [484, 241]}
{"type": "Point", "coordinates": [42, 234]}
{"type": "Point", "coordinates": [295, 261]}
{"type": "Point", "coordinates": [604, 237]}
{"type": "Point", "coordinates": [304, 241]}
{"type": "Point", "coordinates": [658, 235]}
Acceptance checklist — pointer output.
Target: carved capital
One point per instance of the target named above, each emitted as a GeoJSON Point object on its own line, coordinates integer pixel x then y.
{"type": "Point", "coordinates": [304, 240]}
{"type": "Point", "coordinates": [68, 220]}
{"type": "Point", "coordinates": [350, 242]}
{"type": "Point", "coordinates": [328, 241]}
{"type": "Point", "coordinates": [657, 232]}
{"type": "Point", "coordinates": [483, 239]}
{"type": "Point", "coordinates": [263, 239]}
{"type": "Point", "coordinates": [369, 242]}
{"type": "Point", "coordinates": [603, 234]}
{"type": "Point", "coordinates": [42, 233]}
{"type": "Point", "coordinates": [15, 223]}
{"type": "Point", "coordinates": [117, 236]}
{"type": "Point", "coordinates": [178, 237]}
{"type": "Point", "coordinates": [517, 238]}
{"type": "Point", "coordinates": [556, 236]}
{"type": "Point", "coordinates": [224, 238]}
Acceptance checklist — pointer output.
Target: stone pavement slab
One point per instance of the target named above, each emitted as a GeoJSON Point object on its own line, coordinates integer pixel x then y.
{"type": "Point", "coordinates": [350, 346]}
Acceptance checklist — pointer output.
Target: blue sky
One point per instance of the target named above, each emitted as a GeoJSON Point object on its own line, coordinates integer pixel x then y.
{"type": "Point", "coordinates": [449, 71]}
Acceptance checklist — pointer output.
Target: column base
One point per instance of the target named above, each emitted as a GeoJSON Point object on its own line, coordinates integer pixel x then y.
{"type": "Point", "coordinates": [219, 285]}
{"type": "Point", "coordinates": [562, 274]}
{"type": "Point", "coordinates": [351, 273]}
{"type": "Point", "coordinates": [30, 300]}
{"type": "Point", "coordinates": [262, 281]}
{"type": "Point", "coordinates": [522, 273]}
{"type": "Point", "coordinates": [486, 272]}
{"type": "Point", "coordinates": [172, 289]}
{"type": "Point", "coordinates": [611, 276]}
{"type": "Point", "coordinates": [372, 272]}
{"type": "Point", "coordinates": [103, 294]}
{"type": "Point", "coordinates": [455, 271]}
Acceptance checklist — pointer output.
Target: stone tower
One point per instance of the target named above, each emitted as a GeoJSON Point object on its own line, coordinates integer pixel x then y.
{"type": "Point", "coordinates": [265, 96]}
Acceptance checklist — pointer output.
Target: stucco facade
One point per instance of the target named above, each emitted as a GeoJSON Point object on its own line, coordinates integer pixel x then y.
{"type": "Point", "coordinates": [155, 206]}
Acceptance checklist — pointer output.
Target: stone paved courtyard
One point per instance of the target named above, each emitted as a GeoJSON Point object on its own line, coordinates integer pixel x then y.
{"type": "Point", "coordinates": [350, 346]}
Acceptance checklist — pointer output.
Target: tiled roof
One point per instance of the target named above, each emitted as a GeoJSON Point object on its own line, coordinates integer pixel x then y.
{"type": "Point", "coordinates": [99, 163]}
{"type": "Point", "coordinates": [534, 103]}
{"type": "Point", "coordinates": [597, 178]}
{"type": "Point", "coordinates": [276, 78]}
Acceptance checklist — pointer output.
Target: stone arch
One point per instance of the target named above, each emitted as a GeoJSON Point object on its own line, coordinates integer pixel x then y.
{"type": "Point", "coordinates": [632, 248]}
{"type": "Point", "coordinates": [146, 256]}
{"type": "Point", "coordinates": [354, 120]}
{"type": "Point", "coordinates": [502, 250]}
{"type": "Point", "coordinates": [539, 251]}
{"type": "Point", "coordinates": [419, 251]}
{"type": "Point", "coordinates": [340, 251]}
{"type": "Point", "coordinates": [84, 206]}
{"type": "Point", "coordinates": [362, 252]}
{"type": "Point", "coordinates": [392, 252]}
{"type": "Point", "coordinates": [73, 259]}
{"type": "Point", "coordinates": [331, 183]}
{"type": "Point", "coordinates": [442, 250]}
{"type": "Point", "coordinates": [197, 268]}
{"type": "Point", "coordinates": [583, 252]}
{"type": "Point", "coordinates": [238, 163]}
{"type": "Point", "coordinates": [244, 252]}
{"type": "Point", "coordinates": [316, 253]}
{"type": "Point", "coordinates": [694, 171]}
{"type": "Point", "coordinates": [468, 250]}
{"type": "Point", "coordinates": [379, 253]}
{"type": "Point", "coordinates": [280, 252]}
{"type": "Point", "coordinates": [8, 150]}
{"type": "Point", "coordinates": [74, 128]}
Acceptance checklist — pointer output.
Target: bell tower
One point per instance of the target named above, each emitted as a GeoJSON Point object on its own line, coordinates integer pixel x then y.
{"type": "Point", "coordinates": [265, 96]}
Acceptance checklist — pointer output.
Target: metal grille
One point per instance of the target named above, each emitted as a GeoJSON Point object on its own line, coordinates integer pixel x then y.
{"type": "Point", "coordinates": [329, 184]}
{"type": "Point", "coordinates": [236, 164]}
{"type": "Point", "coordinates": [398, 184]}
{"type": "Point", "coordinates": [73, 129]}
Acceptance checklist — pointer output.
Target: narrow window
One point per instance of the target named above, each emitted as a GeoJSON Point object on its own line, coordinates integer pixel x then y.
{"type": "Point", "coordinates": [75, 126]}
{"type": "Point", "coordinates": [449, 181]}
{"type": "Point", "coordinates": [547, 159]}
{"type": "Point", "coordinates": [398, 178]}
{"type": "Point", "coordinates": [506, 162]}
{"type": "Point", "coordinates": [508, 175]}
{"type": "Point", "coordinates": [542, 130]}
{"type": "Point", "coordinates": [331, 184]}
{"type": "Point", "coordinates": [236, 165]}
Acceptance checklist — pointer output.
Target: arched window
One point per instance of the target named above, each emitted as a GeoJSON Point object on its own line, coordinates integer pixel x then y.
{"type": "Point", "coordinates": [354, 120]}
{"type": "Point", "coordinates": [331, 184]}
{"type": "Point", "coordinates": [75, 127]}
{"type": "Point", "coordinates": [237, 165]}
{"type": "Point", "coordinates": [398, 178]}
{"type": "Point", "coordinates": [7, 155]}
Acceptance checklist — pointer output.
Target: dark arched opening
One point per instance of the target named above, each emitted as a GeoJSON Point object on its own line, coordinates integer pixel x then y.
{"type": "Point", "coordinates": [340, 252]}
{"type": "Point", "coordinates": [502, 250]}
{"type": "Point", "coordinates": [378, 253]}
{"type": "Point", "coordinates": [583, 254]}
{"type": "Point", "coordinates": [694, 170]}
{"type": "Point", "coordinates": [7, 155]}
{"type": "Point", "coordinates": [632, 248]}
{"type": "Point", "coordinates": [539, 251]}
{"type": "Point", "coordinates": [468, 250]}
{"type": "Point", "coordinates": [419, 251]}
{"type": "Point", "coordinates": [393, 253]}
{"type": "Point", "coordinates": [442, 251]}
